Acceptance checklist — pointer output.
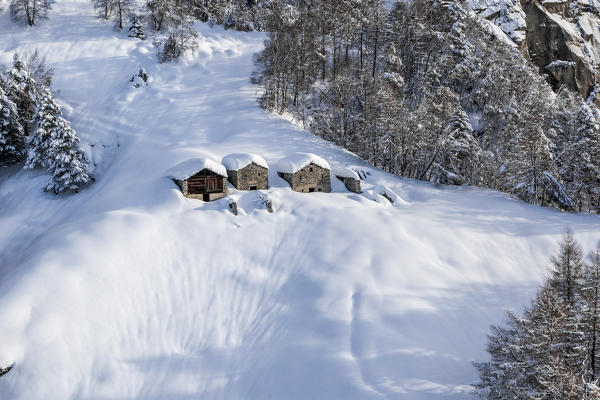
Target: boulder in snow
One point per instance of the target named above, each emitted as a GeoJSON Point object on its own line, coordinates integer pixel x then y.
{"type": "Point", "coordinates": [349, 177]}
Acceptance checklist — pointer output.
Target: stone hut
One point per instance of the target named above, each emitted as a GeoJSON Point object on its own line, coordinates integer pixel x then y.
{"type": "Point", "coordinates": [200, 178]}
{"type": "Point", "coordinates": [305, 172]}
{"type": "Point", "coordinates": [349, 177]}
{"type": "Point", "coordinates": [247, 171]}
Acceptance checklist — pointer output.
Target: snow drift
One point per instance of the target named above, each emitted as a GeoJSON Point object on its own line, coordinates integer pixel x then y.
{"type": "Point", "coordinates": [128, 290]}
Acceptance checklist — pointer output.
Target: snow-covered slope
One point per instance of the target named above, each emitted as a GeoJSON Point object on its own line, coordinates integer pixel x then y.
{"type": "Point", "coordinates": [560, 37]}
{"type": "Point", "coordinates": [128, 290]}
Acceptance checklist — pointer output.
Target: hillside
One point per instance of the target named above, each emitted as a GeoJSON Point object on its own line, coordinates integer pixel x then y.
{"type": "Point", "coordinates": [128, 290]}
{"type": "Point", "coordinates": [560, 37]}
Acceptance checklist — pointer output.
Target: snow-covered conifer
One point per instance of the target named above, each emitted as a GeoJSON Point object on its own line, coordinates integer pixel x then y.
{"type": "Point", "coordinates": [590, 291]}
{"type": "Point", "coordinates": [567, 269]}
{"type": "Point", "coordinates": [69, 166]}
{"type": "Point", "coordinates": [12, 143]}
{"type": "Point", "coordinates": [136, 29]}
{"type": "Point", "coordinates": [44, 121]}
{"type": "Point", "coordinates": [23, 90]}
{"type": "Point", "coordinates": [461, 152]}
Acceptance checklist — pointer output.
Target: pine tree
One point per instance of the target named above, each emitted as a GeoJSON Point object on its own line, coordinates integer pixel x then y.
{"type": "Point", "coordinates": [23, 90]}
{"type": "Point", "coordinates": [45, 121]}
{"type": "Point", "coordinates": [507, 375]}
{"type": "Point", "coordinates": [530, 156]}
{"type": "Point", "coordinates": [590, 290]}
{"type": "Point", "coordinates": [555, 343]}
{"type": "Point", "coordinates": [12, 143]}
{"type": "Point", "coordinates": [539, 356]}
{"type": "Point", "coordinates": [461, 153]}
{"type": "Point", "coordinates": [583, 162]}
{"type": "Point", "coordinates": [67, 163]}
{"type": "Point", "coordinates": [136, 29]}
{"type": "Point", "coordinates": [567, 270]}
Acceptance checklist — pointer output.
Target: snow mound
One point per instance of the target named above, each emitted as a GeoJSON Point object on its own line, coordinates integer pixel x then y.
{"type": "Point", "coordinates": [236, 161]}
{"type": "Point", "coordinates": [192, 166]}
{"type": "Point", "coordinates": [379, 193]}
{"type": "Point", "coordinates": [295, 162]}
{"type": "Point", "coordinates": [343, 172]}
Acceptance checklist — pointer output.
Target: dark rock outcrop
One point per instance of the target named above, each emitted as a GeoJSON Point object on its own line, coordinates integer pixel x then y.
{"type": "Point", "coordinates": [4, 371]}
{"type": "Point", "coordinates": [560, 37]}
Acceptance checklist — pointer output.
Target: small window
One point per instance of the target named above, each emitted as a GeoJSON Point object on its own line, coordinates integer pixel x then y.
{"type": "Point", "coordinates": [322, 175]}
{"type": "Point", "coordinates": [310, 169]}
{"type": "Point", "coordinates": [300, 177]}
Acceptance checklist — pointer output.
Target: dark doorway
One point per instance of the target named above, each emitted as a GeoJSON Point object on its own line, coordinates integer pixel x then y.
{"type": "Point", "coordinates": [206, 197]}
{"type": "Point", "coordinates": [253, 187]}
{"type": "Point", "coordinates": [310, 190]}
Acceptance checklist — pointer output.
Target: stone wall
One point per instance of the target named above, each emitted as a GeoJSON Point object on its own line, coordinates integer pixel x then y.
{"type": "Point", "coordinates": [249, 176]}
{"type": "Point", "coordinates": [352, 184]}
{"type": "Point", "coordinates": [311, 178]}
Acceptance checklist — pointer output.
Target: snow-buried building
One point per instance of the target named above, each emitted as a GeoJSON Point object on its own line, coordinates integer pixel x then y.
{"type": "Point", "coordinates": [305, 172]}
{"type": "Point", "coordinates": [247, 171]}
{"type": "Point", "coordinates": [200, 178]}
{"type": "Point", "coordinates": [349, 177]}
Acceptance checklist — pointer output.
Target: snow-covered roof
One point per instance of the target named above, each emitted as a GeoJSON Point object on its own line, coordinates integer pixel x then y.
{"type": "Point", "coordinates": [236, 161]}
{"type": "Point", "coordinates": [295, 162]}
{"type": "Point", "coordinates": [192, 166]}
{"type": "Point", "coordinates": [344, 172]}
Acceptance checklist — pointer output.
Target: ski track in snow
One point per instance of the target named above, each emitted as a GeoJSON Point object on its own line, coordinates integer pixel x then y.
{"type": "Point", "coordinates": [127, 290]}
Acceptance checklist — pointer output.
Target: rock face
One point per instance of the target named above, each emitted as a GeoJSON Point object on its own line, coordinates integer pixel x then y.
{"type": "Point", "coordinates": [561, 37]}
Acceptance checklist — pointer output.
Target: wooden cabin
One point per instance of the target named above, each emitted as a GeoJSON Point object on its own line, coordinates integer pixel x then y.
{"type": "Point", "coordinates": [201, 178]}
{"type": "Point", "coordinates": [247, 171]}
{"type": "Point", "coordinates": [349, 177]}
{"type": "Point", "coordinates": [305, 172]}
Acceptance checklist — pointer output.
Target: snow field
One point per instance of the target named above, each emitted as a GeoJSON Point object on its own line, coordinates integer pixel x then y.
{"type": "Point", "coordinates": [128, 290]}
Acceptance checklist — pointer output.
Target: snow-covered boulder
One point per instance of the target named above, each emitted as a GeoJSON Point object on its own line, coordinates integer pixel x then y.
{"type": "Point", "coordinates": [349, 177]}
{"type": "Point", "coordinates": [343, 172]}
{"type": "Point", "coordinates": [295, 162]}
{"type": "Point", "coordinates": [237, 161]}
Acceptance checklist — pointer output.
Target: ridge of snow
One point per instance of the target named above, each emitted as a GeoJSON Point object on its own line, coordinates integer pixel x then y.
{"type": "Point", "coordinates": [192, 166]}
{"type": "Point", "coordinates": [295, 162]}
{"type": "Point", "coordinates": [237, 161]}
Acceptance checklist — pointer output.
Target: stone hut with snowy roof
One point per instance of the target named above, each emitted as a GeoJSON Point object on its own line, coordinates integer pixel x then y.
{"type": "Point", "coordinates": [305, 172]}
{"type": "Point", "coordinates": [200, 178]}
{"type": "Point", "coordinates": [247, 171]}
{"type": "Point", "coordinates": [349, 177]}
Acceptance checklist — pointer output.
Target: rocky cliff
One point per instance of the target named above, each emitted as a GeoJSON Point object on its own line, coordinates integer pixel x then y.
{"type": "Point", "coordinates": [561, 37]}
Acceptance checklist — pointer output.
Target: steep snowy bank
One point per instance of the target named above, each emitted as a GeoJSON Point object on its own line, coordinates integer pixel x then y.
{"type": "Point", "coordinates": [127, 290]}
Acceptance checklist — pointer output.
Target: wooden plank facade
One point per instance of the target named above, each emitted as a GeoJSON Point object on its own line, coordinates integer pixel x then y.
{"type": "Point", "coordinates": [205, 185]}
